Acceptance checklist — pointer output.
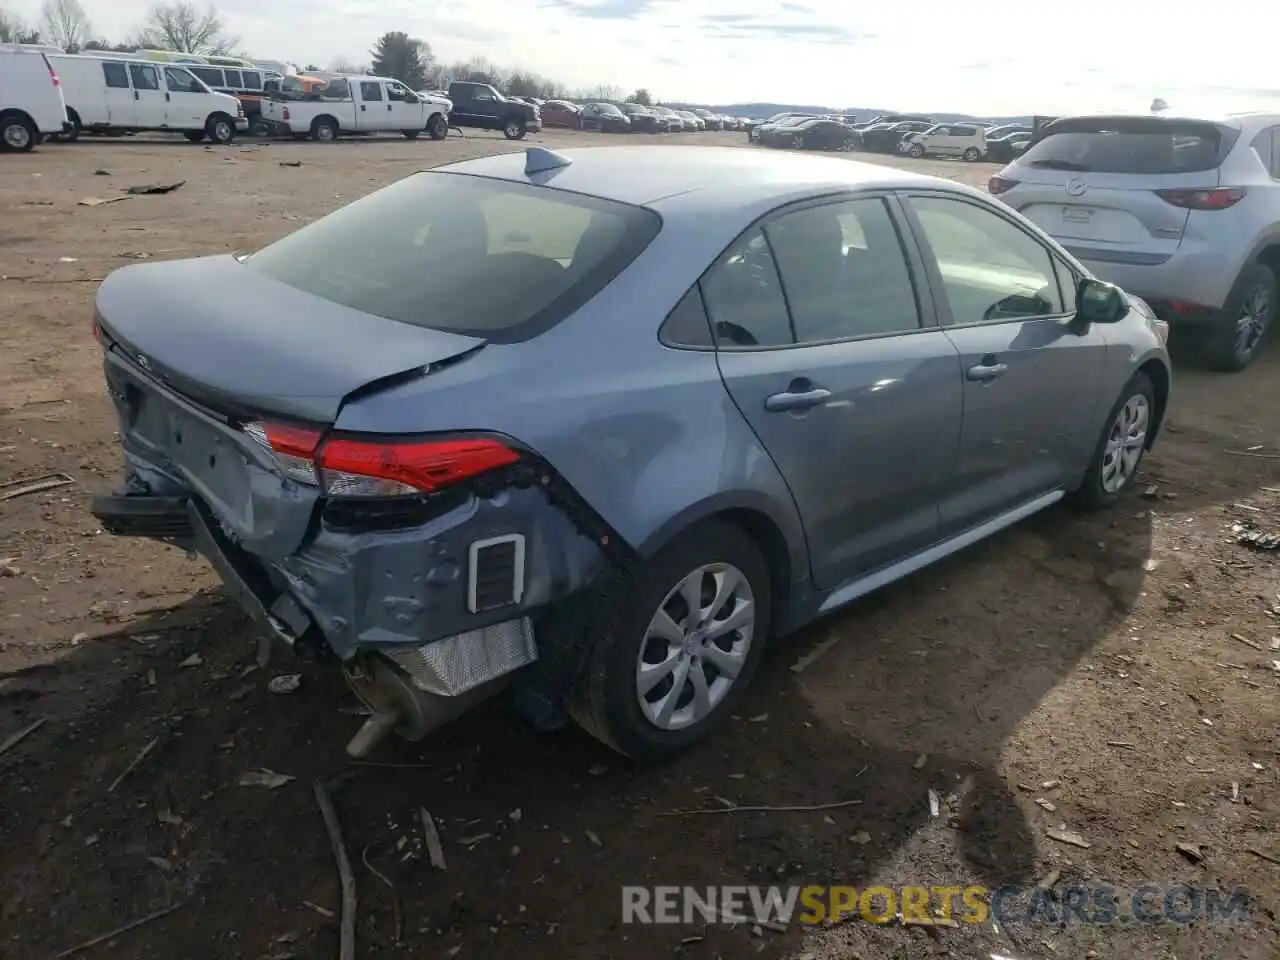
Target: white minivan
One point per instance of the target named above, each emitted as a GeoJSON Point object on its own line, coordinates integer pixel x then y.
{"type": "Point", "coordinates": [114, 95]}
{"type": "Point", "coordinates": [31, 104]}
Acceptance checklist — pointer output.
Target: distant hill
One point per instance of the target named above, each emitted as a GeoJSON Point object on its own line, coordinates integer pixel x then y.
{"type": "Point", "coordinates": [762, 110]}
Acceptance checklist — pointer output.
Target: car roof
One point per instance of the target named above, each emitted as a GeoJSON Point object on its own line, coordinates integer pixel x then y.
{"type": "Point", "coordinates": [666, 177]}
{"type": "Point", "coordinates": [1238, 120]}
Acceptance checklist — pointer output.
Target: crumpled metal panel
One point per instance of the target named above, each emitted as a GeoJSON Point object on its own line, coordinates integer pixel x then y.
{"type": "Point", "coordinates": [456, 664]}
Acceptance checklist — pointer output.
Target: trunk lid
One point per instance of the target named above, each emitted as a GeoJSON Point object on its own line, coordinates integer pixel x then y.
{"type": "Point", "coordinates": [201, 346]}
{"type": "Point", "coordinates": [238, 342]}
{"type": "Point", "coordinates": [1091, 182]}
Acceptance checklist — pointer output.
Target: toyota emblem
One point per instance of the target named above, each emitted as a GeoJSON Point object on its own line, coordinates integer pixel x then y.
{"type": "Point", "coordinates": [1076, 187]}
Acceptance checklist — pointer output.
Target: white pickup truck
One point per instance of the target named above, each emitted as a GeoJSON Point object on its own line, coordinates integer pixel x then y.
{"type": "Point", "coordinates": [358, 105]}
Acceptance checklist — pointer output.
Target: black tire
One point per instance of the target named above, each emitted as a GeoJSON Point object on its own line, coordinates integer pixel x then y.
{"type": "Point", "coordinates": [72, 135]}
{"type": "Point", "coordinates": [1225, 349]}
{"type": "Point", "coordinates": [17, 133]}
{"type": "Point", "coordinates": [195, 136]}
{"type": "Point", "coordinates": [220, 129]}
{"type": "Point", "coordinates": [514, 128]}
{"type": "Point", "coordinates": [606, 701]}
{"type": "Point", "coordinates": [1092, 494]}
{"type": "Point", "coordinates": [410, 134]}
{"type": "Point", "coordinates": [324, 129]}
{"type": "Point", "coordinates": [438, 127]}
{"type": "Point", "coordinates": [259, 128]}
{"type": "Point", "coordinates": [973, 155]}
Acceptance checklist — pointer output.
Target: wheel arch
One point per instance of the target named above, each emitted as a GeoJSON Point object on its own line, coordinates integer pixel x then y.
{"type": "Point", "coordinates": [1158, 373]}
{"type": "Point", "coordinates": [317, 120]}
{"type": "Point", "coordinates": [10, 112]}
{"type": "Point", "coordinates": [780, 541]}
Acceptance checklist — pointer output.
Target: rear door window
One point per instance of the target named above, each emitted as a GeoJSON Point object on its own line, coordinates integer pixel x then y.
{"type": "Point", "coordinates": [144, 77]}
{"type": "Point", "coordinates": [1137, 145]}
{"type": "Point", "coordinates": [210, 75]}
{"type": "Point", "coordinates": [370, 90]}
{"type": "Point", "coordinates": [464, 254]}
{"type": "Point", "coordinates": [234, 80]}
{"type": "Point", "coordinates": [744, 298]}
{"type": "Point", "coordinates": [116, 75]}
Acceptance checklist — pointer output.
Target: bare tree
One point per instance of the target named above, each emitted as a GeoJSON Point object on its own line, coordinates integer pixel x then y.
{"type": "Point", "coordinates": [65, 24]}
{"type": "Point", "coordinates": [13, 30]}
{"type": "Point", "coordinates": [181, 26]}
{"type": "Point", "coordinates": [604, 91]}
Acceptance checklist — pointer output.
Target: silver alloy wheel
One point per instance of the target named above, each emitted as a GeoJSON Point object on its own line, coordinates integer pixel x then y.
{"type": "Point", "coordinates": [695, 646]}
{"type": "Point", "coordinates": [1255, 315]}
{"type": "Point", "coordinates": [325, 133]}
{"type": "Point", "coordinates": [223, 131]}
{"type": "Point", "coordinates": [512, 130]}
{"type": "Point", "coordinates": [17, 136]}
{"type": "Point", "coordinates": [1125, 443]}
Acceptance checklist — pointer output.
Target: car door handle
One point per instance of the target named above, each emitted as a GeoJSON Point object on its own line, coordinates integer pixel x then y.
{"type": "Point", "coordinates": [362, 108]}
{"type": "Point", "coordinates": [796, 399]}
{"type": "Point", "coordinates": [986, 371]}
{"type": "Point", "coordinates": [136, 96]}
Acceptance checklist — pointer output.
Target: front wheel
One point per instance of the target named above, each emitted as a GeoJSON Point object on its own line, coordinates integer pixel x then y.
{"type": "Point", "coordinates": [1122, 445]}
{"type": "Point", "coordinates": [1246, 316]}
{"type": "Point", "coordinates": [972, 154]}
{"type": "Point", "coordinates": [677, 642]}
{"type": "Point", "coordinates": [220, 129]}
{"type": "Point", "coordinates": [917, 150]}
{"type": "Point", "coordinates": [438, 127]}
{"type": "Point", "coordinates": [514, 129]}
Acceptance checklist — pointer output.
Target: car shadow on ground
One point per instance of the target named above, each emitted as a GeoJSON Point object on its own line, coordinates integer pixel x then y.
{"type": "Point", "coordinates": [128, 799]}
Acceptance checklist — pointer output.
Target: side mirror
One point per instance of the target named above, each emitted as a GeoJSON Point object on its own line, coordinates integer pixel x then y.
{"type": "Point", "coordinates": [1100, 302]}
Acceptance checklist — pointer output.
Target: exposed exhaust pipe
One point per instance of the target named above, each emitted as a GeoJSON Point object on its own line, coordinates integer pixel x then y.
{"type": "Point", "coordinates": [397, 706]}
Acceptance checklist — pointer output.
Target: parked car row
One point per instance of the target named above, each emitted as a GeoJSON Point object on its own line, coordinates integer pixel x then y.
{"type": "Point", "coordinates": [911, 134]}
{"type": "Point", "coordinates": [627, 117]}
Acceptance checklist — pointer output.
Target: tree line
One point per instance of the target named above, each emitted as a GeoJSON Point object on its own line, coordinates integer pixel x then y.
{"type": "Point", "coordinates": [182, 26]}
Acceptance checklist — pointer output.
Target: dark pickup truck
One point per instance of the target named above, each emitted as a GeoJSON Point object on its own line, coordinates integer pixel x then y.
{"type": "Point", "coordinates": [480, 105]}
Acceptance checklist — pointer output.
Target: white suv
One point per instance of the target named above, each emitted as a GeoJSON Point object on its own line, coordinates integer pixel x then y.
{"type": "Point", "coordinates": [966, 140]}
{"type": "Point", "coordinates": [1185, 213]}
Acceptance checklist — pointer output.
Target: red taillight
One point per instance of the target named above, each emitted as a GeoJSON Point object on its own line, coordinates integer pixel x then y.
{"type": "Point", "coordinates": [285, 114]}
{"type": "Point", "coordinates": [1218, 198]}
{"type": "Point", "coordinates": [997, 185]}
{"type": "Point", "coordinates": [353, 467]}
{"type": "Point", "coordinates": [348, 465]}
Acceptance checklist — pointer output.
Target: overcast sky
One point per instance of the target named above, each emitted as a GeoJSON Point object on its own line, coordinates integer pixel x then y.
{"type": "Point", "coordinates": [979, 56]}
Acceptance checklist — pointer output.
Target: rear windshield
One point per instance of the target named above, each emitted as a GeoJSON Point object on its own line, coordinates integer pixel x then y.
{"type": "Point", "coordinates": [1139, 145]}
{"type": "Point", "coordinates": [489, 258]}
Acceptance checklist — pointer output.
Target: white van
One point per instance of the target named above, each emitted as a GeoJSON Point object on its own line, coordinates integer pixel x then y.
{"type": "Point", "coordinates": [31, 104]}
{"type": "Point", "coordinates": [116, 95]}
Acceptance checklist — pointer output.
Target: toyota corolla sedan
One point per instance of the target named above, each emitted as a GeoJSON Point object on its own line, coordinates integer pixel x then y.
{"type": "Point", "coordinates": [590, 429]}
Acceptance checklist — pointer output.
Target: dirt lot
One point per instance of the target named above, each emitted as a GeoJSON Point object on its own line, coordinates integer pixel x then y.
{"type": "Point", "coordinates": [1127, 657]}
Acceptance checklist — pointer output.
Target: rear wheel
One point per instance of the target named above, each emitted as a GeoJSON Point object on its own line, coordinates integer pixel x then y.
{"type": "Point", "coordinates": [514, 129]}
{"type": "Point", "coordinates": [1246, 317]}
{"type": "Point", "coordinates": [677, 643]}
{"type": "Point", "coordinates": [72, 135]}
{"type": "Point", "coordinates": [259, 128]}
{"type": "Point", "coordinates": [1121, 447]}
{"type": "Point", "coordinates": [17, 133]}
{"type": "Point", "coordinates": [438, 127]}
{"type": "Point", "coordinates": [324, 130]}
{"type": "Point", "coordinates": [972, 154]}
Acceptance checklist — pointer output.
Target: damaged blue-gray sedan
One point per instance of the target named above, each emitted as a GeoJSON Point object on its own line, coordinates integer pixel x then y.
{"type": "Point", "coordinates": [589, 428]}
